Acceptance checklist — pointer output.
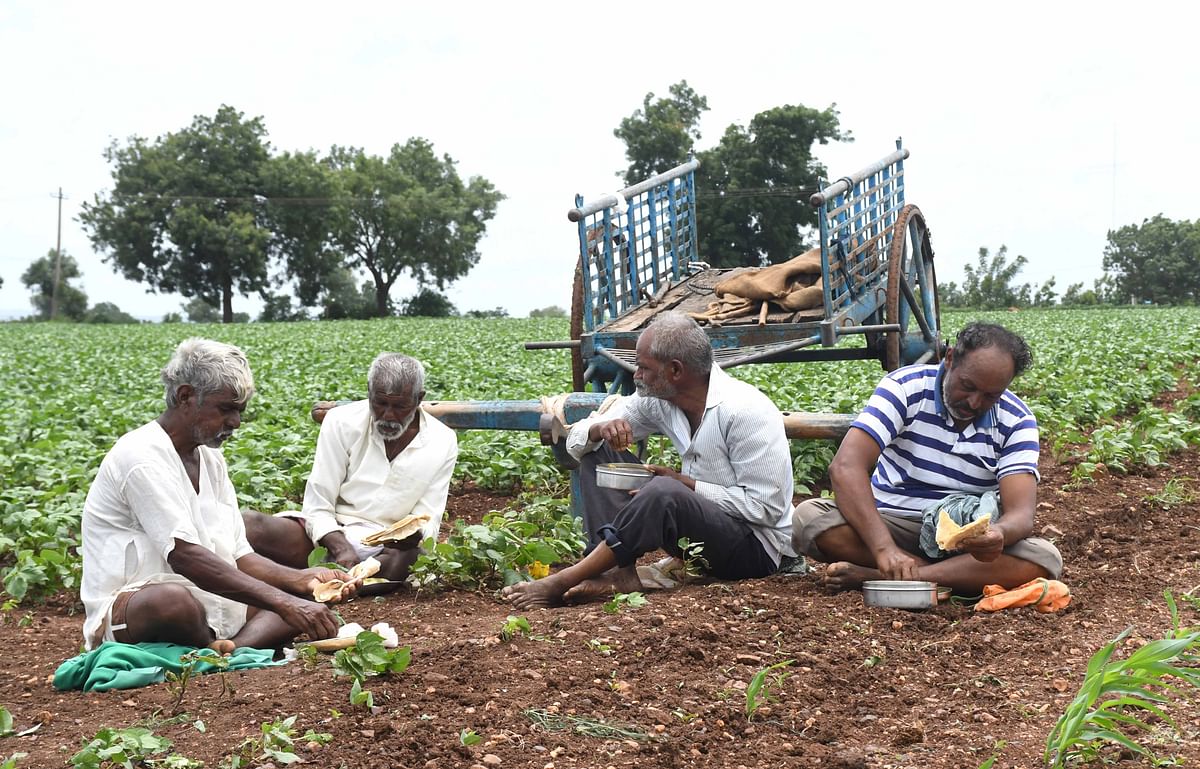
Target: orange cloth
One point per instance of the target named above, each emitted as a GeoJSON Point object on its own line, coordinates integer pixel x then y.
{"type": "Point", "coordinates": [1045, 595]}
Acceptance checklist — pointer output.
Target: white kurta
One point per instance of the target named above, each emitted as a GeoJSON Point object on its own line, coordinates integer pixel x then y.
{"type": "Point", "coordinates": [353, 484]}
{"type": "Point", "coordinates": [141, 502]}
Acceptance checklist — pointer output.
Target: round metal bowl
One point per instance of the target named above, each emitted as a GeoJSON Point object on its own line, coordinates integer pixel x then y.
{"type": "Point", "coordinates": [623, 475]}
{"type": "Point", "coordinates": [900, 594]}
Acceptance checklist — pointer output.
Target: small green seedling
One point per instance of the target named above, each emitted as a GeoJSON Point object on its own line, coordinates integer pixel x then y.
{"type": "Point", "coordinates": [11, 761]}
{"type": "Point", "coordinates": [513, 627]}
{"type": "Point", "coordinates": [135, 746]}
{"type": "Point", "coordinates": [598, 646]}
{"type": "Point", "coordinates": [369, 657]}
{"type": "Point", "coordinates": [758, 692]}
{"type": "Point", "coordinates": [468, 737]}
{"type": "Point", "coordinates": [694, 562]}
{"type": "Point", "coordinates": [626, 600]}
{"type": "Point", "coordinates": [6, 723]}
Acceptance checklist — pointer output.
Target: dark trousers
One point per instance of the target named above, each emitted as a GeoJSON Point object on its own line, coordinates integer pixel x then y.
{"type": "Point", "coordinates": [663, 511]}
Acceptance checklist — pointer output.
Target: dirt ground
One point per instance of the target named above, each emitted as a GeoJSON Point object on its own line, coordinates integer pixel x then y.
{"type": "Point", "coordinates": [869, 687]}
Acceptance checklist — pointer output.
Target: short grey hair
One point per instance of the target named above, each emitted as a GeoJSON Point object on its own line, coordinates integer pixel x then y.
{"type": "Point", "coordinates": [208, 367]}
{"type": "Point", "coordinates": [392, 372]}
{"type": "Point", "coordinates": [678, 337]}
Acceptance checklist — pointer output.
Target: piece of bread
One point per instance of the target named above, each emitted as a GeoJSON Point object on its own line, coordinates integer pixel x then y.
{"type": "Point", "coordinates": [950, 534]}
{"type": "Point", "coordinates": [400, 530]}
{"type": "Point", "coordinates": [328, 591]}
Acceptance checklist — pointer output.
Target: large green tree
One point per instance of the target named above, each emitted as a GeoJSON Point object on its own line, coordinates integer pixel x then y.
{"type": "Point", "coordinates": [989, 283]}
{"type": "Point", "coordinates": [754, 184]}
{"type": "Point", "coordinates": [39, 278]}
{"type": "Point", "coordinates": [661, 134]}
{"type": "Point", "coordinates": [187, 211]}
{"type": "Point", "coordinates": [1156, 261]}
{"type": "Point", "coordinates": [408, 212]}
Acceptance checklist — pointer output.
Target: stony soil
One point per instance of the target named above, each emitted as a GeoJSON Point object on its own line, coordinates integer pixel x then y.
{"type": "Point", "coordinates": [868, 687]}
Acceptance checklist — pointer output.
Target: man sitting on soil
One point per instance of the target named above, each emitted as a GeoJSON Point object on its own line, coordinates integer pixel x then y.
{"type": "Point", "coordinates": [733, 495]}
{"type": "Point", "coordinates": [378, 460]}
{"type": "Point", "coordinates": [926, 433]}
{"type": "Point", "coordinates": [165, 556]}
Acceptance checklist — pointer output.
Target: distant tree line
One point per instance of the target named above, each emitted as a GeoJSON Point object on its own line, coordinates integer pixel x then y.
{"type": "Point", "coordinates": [1156, 262]}
{"type": "Point", "coordinates": [212, 210]}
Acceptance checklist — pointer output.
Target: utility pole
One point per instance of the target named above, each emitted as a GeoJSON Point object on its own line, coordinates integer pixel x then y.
{"type": "Point", "coordinates": [57, 261]}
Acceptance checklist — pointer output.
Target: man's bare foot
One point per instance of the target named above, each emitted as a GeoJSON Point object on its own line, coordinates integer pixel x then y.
{"type": "Point", "coordinates": [539, 594]}
{"type": "Point", "coordinates": [844, 575]}
{"type": "Point", "coordinates": [605, 586]}
{"type": "Point", "coordinates": [223, 646]}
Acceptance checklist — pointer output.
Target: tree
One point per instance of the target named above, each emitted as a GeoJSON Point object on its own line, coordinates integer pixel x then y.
{"type": "Point", "coordinates": [172, 317]}
{"type": "Point", "coordinates": [661, 134]}
{"type": "Point", "coordinates": [553, 311]}
{"type": "Point", "coordinates": [107, 312]}
{"type": "Point", "coordinates": [1157, 261]}
{"type": "Point", "coordinates": [341, 298]}
{"type": "Point", "coordinates": [428, 303]}
{"type": "Point", "coordinates": [39, 278]}
{"type": "Point", "coordinates": [200, 311]}
{"type": "Point", "coordinates": [187, 212]}
{"type": "Point", "coordinates": [302, 217]}
{"type": "Point", "coordinates": [754, 183]}
{"type": "Point", "coordinates": [408, 212]}
{"type": "Point", "coordinates": [277, 308]}
{"type": "Point", "coordinates": [988, 285]}
{"type": "Point", "coordinates": [495, 312]}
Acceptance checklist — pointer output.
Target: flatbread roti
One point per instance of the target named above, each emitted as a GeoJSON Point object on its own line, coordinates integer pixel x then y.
{"type": "Point", "coordinates": [328, 591]}
{"type": "Point", "coordinates": [400, 530]}
{"type": "Point", "coordinates": [950, 534]}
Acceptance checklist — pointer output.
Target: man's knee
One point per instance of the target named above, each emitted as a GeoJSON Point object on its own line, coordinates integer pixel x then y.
{"type": "Point", "coordinates": [810, 519]}
{"type": "Point", "coordinates": [166, 605]}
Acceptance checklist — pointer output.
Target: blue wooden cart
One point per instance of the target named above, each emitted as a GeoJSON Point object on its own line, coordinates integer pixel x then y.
{"type": "Point", "coordinates": [638, 257]}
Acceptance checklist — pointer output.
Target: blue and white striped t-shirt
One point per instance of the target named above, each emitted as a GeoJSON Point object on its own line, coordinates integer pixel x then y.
{"type": "Point", "coordinates": [924, 458]}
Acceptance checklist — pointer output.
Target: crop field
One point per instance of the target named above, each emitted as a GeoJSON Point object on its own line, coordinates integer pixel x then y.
{"type": "Point", "coordinates": [71, 390]}
{"type": "Point", "coordinates": [771, 672]}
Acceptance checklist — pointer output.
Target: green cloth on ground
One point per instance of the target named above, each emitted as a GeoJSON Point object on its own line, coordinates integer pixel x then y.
{"type": "Point", "coordinates": [114, 665]}
{"type": "Point", "coordinates": [962, 509]}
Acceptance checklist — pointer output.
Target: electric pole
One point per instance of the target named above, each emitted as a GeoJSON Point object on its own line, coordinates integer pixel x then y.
{"type": "Point", "coordinates": [57, 261]}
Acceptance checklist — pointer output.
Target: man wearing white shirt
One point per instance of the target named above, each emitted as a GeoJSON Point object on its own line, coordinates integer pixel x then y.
{"type": "Point", "coordinates": [377, 461]}
{"type": "Point", "coordinates": [732, 497]}
{"type": "Point", "coordinates": [165, 557]}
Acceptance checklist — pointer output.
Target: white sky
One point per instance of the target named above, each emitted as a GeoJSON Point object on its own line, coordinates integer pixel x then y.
{"type": "Point", "coordinates": [1036, 125]}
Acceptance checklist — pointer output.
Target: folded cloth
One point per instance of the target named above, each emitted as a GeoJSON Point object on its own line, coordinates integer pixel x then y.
{"type": "Point", "coordinates": [113, 665]}
{"type": "Point", "coordinates": [1045, 595]}
{"type": "Point", "coordinates": [962, 509]}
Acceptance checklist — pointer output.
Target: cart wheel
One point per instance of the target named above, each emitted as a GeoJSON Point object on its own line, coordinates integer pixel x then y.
{"type": "Point", "coordinates": [577, 383]}
{"type": "Point", "coordinates": [910, 258]}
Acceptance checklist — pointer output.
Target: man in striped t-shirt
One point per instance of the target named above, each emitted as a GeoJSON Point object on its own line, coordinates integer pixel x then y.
{"type": "Point", "coordinates": [928, 432]}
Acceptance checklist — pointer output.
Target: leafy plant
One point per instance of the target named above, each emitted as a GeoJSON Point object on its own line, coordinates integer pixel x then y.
{"type": "Point", "coordinates": [500, 550]}
{"type": "Point", "coordinates": [758, 691]}
{"type": "Point", "coordinates": [468, 737]}
{"type": "Point", "coordinates": [1175, 492]}
{"type": "Point", "coordinates": [318, 557]}
{"type": "Point", "coordinates": [1116, 692]}
{"type": "Point", "coordinates": [276, 744]}
{"type": "Point", "coordinates": [6, 722]}
{"type": "Point", "coordinates": [366, 658]}
{"type": "Point", "coordinates": [626, 600]}
{"type": "Point", "coordinates": [514, 626]}
{"type": "Point", "coordinates": [128, 748]}
{"type": "Point", "coordinates": [694, 562]}
{"type": "Point", "coordinates": [177, 683]}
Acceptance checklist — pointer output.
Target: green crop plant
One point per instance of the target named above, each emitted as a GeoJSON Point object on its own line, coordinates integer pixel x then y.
{"type": "Point", "coordinates": [6, 723]}
{"type": "Point", "coordinates": [368, 657]}
{"type": "Point", "coordinates": [762, 683]}
{"type": "Point", "coordinates": [11, 761]}
{"type": "Point", "coordinates": [694, 562]}
{"type": "Point", "coordinates": [129, 748]}
{"type": "Point", "coordinates": [513, 627]}
{"type": "Point", "coordinates": [468, 737]}
{"type": "Point", "coordinates": [177, 683]}
{"type": "Point", "coordinates": [499, 550]}
{"type": "Point", "coordinates": [625, 601]}
{"type": "Point", "coordinates": [1117, 694]}
{"type": "Point", "coordinates": [277, 743]}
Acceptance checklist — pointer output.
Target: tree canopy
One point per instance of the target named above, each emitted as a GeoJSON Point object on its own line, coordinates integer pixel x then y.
{"type": "Point", "coordinates": [428, 303]}
{"type": "Point", "coordinates": [39, 278]}
{"type": "Point", "coordinates": [754, 184]}
{"type": "Point", "coordinates": [408, 212]}
{"type": "Point", "coordinates": [1156, 261]}
{"type": "Point", "coordinates": [187, 212]}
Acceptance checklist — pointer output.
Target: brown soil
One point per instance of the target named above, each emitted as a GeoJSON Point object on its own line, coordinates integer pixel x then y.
{"type": "Point", "coordinates": [869, 687]}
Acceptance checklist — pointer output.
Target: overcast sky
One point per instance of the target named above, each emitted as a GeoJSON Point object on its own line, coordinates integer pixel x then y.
{"type": "Point", "coordinates": [1035, 125]}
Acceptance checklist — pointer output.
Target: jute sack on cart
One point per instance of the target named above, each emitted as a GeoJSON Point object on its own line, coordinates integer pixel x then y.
{"type": "Point", "coordinates": [793, 285]}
